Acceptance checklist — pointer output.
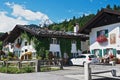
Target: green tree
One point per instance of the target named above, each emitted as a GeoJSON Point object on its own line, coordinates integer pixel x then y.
{"type": "Point", "coordinates": [0, 45]}
{"type": "Point", "coordinates": [108, 6]}
{"type": "Point", "coordinates": [115, 7]}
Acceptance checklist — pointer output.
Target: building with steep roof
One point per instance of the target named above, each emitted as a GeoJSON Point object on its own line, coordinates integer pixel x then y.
{"type": "Point", "coordinates": [22, 41]}
{"type": "Point", "coordinates": [104, 33]}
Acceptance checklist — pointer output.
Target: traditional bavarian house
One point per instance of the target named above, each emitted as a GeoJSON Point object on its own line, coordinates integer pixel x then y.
{"type": "Point", "coordinates": [104, 33]}
{"type": "Point", "coordinates": [25, 41]}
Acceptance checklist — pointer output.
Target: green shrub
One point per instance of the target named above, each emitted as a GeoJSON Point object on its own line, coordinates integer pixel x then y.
{"type": "Point", "coordinates": [28, 69]}
{"type": "Point", "coordinates": [15, 70]}
{"type": "Point", "coordinates": [3, 69]}
{"type": "Point", "coordinates": [47, 68]}
{"type": "Point", "coordinates": [12, 70]}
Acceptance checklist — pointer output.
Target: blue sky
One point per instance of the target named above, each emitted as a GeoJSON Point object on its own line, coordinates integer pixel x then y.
{"type": "Point", "coordinates": [14, 12]}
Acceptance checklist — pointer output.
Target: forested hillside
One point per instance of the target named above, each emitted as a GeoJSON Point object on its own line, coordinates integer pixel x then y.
{"type": "Point", "coordinates": [69, 25]}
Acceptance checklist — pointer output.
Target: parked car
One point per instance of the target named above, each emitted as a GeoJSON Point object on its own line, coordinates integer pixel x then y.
{"type": "Point", "coordinates": [80, 60]}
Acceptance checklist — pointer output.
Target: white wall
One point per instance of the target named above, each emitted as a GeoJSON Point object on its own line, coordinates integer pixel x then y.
{"type": "Point", "coordinates": [113, 28]}
{"type": "Point", "coordinates": [22, 48]}
{"type": "Point", "coordinates": [73, 48]}
{"type": "Point", "coordinates": [55, 48]}
{"type": "Point", "coordinates": [85, 45]}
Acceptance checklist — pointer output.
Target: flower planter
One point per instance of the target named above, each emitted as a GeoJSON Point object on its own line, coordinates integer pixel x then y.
{"type": "Point", "coordinates": [101, 39]}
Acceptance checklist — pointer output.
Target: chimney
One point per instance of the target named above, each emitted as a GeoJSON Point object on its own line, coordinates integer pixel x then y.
{"type": "Point", "coordinates": [76, 28]}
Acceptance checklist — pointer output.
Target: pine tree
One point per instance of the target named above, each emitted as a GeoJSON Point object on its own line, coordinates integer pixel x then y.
{"type": "Point", "coordinates": [115, 7]}
{"type": "Point", "coordinates": [108, 6]}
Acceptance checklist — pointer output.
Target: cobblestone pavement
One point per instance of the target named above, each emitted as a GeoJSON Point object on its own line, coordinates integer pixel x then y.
{"type": "Point", "coordinates": [69, 73]}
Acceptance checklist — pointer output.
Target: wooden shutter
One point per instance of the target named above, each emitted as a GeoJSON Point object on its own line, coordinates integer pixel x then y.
{"type": "Point", "coordinates": [114, 52]}
{"type": "Point", "coordinates": [106, 33]}
{"type": "Point", "coordinates": [93, 51]}
{"type": "Point", "coordinates": [100, 52]}
{"type": "Point", "coordinates": [104, 52]}
{"type": "Point", "coordinates": [98, 33]}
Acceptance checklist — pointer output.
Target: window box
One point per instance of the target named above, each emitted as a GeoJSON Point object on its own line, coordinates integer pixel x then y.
{"type": "Point", "coordinates": [101, 39]}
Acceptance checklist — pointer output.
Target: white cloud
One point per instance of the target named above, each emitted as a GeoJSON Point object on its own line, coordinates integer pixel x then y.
{"type": "Point", "coordinates": [8, 23]}
{"type": "Point", "coordinates": [20, 11]}
{"type": "Point", "coordinates": [20, 15]}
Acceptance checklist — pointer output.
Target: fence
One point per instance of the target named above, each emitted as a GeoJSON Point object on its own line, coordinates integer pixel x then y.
{"type": "Point", "coordinates": [50, 63]}
{"type": "Point", "coordinates": [88, 71]}
{"type": "Point", "coordinates": [36, 64]}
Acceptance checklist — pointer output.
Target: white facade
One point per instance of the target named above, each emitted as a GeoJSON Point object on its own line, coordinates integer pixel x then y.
{"type": "Point", "coordinates": [74, 50]}
{"type": "Point", "coordinates": [25, 46]}
{"type": "Point", "coordinates": [55, 47]}
{"type": "Point", "coordinates": [113, 40]}
{"type": "Point", "coordinates": [85, 45]}
{"type": "Point", "coordinates": [19, 50]}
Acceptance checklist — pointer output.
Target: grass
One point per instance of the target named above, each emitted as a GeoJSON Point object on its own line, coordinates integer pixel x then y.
{"type": "Point", "coordinates": [14, 70]}
{"type": "Point", "coordinates": [28, 69]}
{"type": "Point", "coordinates": [47, 68]}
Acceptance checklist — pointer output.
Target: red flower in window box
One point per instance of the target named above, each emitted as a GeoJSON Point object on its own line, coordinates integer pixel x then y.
{"type": "Point", "coordinates": [101, 39]}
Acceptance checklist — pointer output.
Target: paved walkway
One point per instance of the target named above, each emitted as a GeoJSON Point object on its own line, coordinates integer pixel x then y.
{"type": "Point", "coordinates": [33, 76]}
{"type": "Point", "coordinates": [69, 73]}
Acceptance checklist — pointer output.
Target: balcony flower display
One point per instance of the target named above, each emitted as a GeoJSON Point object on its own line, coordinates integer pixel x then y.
{"type": "Point", "coordinates": [101, 39]}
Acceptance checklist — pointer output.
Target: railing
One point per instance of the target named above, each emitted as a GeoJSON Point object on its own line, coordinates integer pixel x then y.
{"type": "Point", "coordinates": [48, 63]}
{"type": "Point", "coordinates": [88, 72]}
{"type": "Point", "coordinates": [36, 64]}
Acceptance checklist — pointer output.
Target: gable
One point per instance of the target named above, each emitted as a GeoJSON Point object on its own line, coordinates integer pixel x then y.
{"type": "Point", "coordinates": [105, 17]}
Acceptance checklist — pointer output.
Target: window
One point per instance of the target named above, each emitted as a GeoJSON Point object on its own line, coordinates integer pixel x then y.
{"type": "Point", "coordinates": [110, 51]}
{"type": "Point", "coordinates": [82, 56]}
{"type": "Point", "coordinates": [74, 42]}
{"type": "Point", "coordinates": [19, 40]}
{"type": "Point", "coordinates": [56, 54]}
{"type": "Point", "coordinates": [102, 32]}
{"type": "Point", "coordinates": [25, 43]}
{"type": "Point", "coordinates": [97, 52]}
{"type": "Point", "coordinates": [118, 52]}
{"type": "Point", "coordinates": [29, 42]}
{"type": "Point", "coordinates": [19, 53]}
{"type": "Point", "coordinates": [54, 41]}
{"type": "Point", "coordinates": [92, 56]}
{"type": "Point", "coordinates": [102, 36]}
{"type": "Point", "coordinates": [26, 50]}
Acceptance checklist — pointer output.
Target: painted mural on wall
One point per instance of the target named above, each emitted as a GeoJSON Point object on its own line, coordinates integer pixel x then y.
{"type": "Point", "coordinates": [113, 38]}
